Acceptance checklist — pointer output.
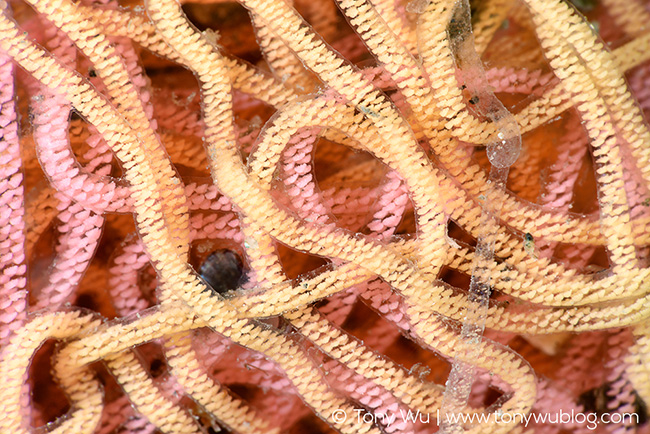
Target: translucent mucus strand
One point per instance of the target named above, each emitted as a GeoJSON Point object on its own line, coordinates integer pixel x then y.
{"type": "Point", "coordinates": [505, 150]}
{"type": "Point", "coordinates": [502, 153]}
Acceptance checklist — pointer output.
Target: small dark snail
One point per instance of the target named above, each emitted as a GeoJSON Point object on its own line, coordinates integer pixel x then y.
{"type": "Point", "coordinates": [529, 245]}
{"type": "Point", "coordinates": [223, 270]}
